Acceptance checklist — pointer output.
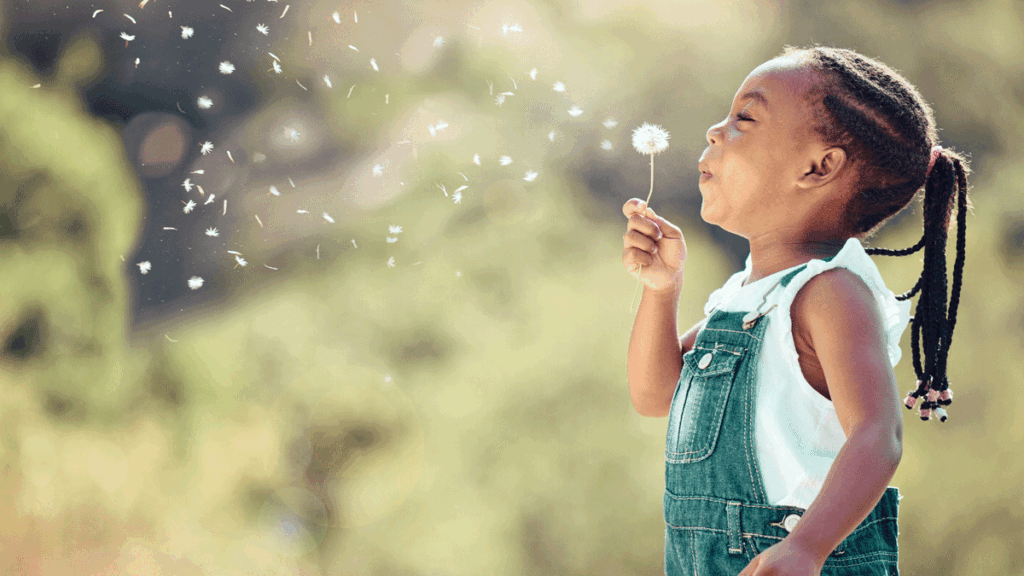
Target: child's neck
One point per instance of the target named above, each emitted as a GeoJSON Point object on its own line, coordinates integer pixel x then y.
{"type": "Point", "coordinates": [772, 257]}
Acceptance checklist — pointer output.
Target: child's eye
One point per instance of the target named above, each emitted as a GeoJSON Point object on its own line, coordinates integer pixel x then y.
{"type": "Point", "coordinates": [741, 117]}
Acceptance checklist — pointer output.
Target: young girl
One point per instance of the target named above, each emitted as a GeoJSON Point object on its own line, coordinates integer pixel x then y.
{"type": "Point", "coordinates": [784, 424]}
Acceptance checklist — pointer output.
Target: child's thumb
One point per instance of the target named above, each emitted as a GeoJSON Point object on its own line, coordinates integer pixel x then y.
{"type": "Point", "coordinates": [667, 228]}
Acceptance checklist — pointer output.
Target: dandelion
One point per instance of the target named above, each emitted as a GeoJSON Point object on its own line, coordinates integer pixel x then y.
{"type": "Point", "coordinates": [207, 147]}
{"type": "Point", "coordinates": [558, 87]}
{"type": "Point", "coordinates": [226, 67]}
{"type": "Point", "coordinates": [505, 161]}
{"type": "Point", "coordinates": [144, 266]}
{"type": "Point", "coordinates": [189, 206]}
{"type": "Point", "coordinates": [212, 232]}
{"type": "Point", "coordinates": [438, 41]}
{"type": "Point", "coordinates": [263, 29]}
{"type": "Point", "coordinates": [187, 184]}
{"type": "Point", "coordinates": [610, 123]}
{"type": "Point", "coordinates": [575, 111]}
{"type": "Point", "coordinates": [195, 282]}
{"type": "Point", "coordinates": [530, 176]}
{"type": "Point", "coordinates": [186, 32]}
{"type": "Point", "coordinates": [606, 144]}
{"type": "Point", "coordinates": [648, 139]}
{"type": "Point", "coordinates": [204, 102]}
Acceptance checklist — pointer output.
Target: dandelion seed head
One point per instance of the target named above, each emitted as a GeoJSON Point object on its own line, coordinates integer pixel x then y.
{"type": "Point", "coordinates": [650, 139]}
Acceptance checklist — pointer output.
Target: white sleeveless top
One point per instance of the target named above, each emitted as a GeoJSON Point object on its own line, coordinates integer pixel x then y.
{"type": "Point", "coordinates": [797, 432]}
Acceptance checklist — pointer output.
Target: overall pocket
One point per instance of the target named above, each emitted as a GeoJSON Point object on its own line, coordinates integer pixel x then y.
{"type": "Point", "coordinates": [698, 406]}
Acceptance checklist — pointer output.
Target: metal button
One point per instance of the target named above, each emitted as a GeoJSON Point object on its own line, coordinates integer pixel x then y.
{"type": "Point", "coordinates": [704, 361]}
{"type": "Point", "coordinates": [790, 522]}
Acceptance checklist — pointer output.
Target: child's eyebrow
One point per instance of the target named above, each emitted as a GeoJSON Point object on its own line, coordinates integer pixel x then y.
{"type": "Point", "coordinates": [757, 96]}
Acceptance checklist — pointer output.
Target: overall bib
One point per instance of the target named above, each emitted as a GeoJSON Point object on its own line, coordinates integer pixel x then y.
{"type": "Point", "coordinates": [716, 513]}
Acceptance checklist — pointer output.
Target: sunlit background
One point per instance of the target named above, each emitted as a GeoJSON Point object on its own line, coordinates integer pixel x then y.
{"type": "Point", "coordinates": [353, 303]}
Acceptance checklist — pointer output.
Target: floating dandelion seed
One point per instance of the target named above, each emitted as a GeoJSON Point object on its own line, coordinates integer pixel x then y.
{"type": "Point", "coordinates": [457, 197]}
{"type": "Point", "coordinates": [241, 261]}
{"type": "Point", "coordinates": [378, 170]}
{"type": "Point", "coordinates": [505, 161]}
{"type": "Point", "coordinates": [328, 218]}
{"type": "Point", "coordinates": [145, 266]}
{"type": "Point", "coordinates": [530, 176]}
{"type": "Point", "coordinates": [460, 188]}
{"type": "Point", "coordinates": [258, 157]}
{"type": "Point", "coordinates": [353, 47]}
{"type": "Point", "coordinates": [292, 134]}
{"type": "Point", "coordinates": [273, 190]}
{"type": "Point", "coordinates": [187, 184]}
{"type": "Point", "coordinates": [226, 67]}
{"type": "Point", "coordinates": [188, 207]}
{"type": "Point", "coordinates": [610, 123]}
{"type": "Point", "coordinates": [648, 139]}
{"type": "Point", "coordinates": [327, 81]}
{"type": "Point", "coordinates": [558, 87]}
{"type": "Point", "coordinates": [392, 229]}
{"type": "Point", "coordinates": [126, 38]}
{"type": "Point", "coordinates": [551, 135]}
{"type": "Point", "coordinates": [575, 111]}
{"type": "Point", "coordinates": [276, 67]}
{"type": "Point", "coordinates": [606, 144]}
{"type": "Point", "coordinates": [207, 147]}
{"type": "Point", "coordinates": [263, 29]}
{"type": "Point", "coordinates": [374, 64]}
{"type": "Point", "coordinates": [212, 232]}
{"type": "Point", "coordinates": [438, 41]}
{"type": "Point", "coordinates": [195, 282]}
{"type": "Point", "coordinates": [476, 159]}
{"type": "Point", "coordinates": [186, 32]}
{"type": "Point", "coordinates": [337, 17]}
{"type": "Point", "coordinates": [533, 74]}
{"type": "Point", "coordinates": [210, 199]}
{"type": "Point", "coordinates": [96, 12]}
{"type": "Point", "coordinates": [391, 262]}
{"type": "Point", "coordinates": [500, 99]}
{"type": "Point", "coordinates": [204, 102]}
{"type": "Point", "coordinates": [302, 211]}
{"type": "Point", "coordinates": [391, 239]}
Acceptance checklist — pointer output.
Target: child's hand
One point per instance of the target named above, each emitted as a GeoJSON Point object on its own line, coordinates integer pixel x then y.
{"type": "Point", "coordinates": [654, 243]}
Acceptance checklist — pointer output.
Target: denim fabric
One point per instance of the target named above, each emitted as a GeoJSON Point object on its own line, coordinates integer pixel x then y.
{"type": "Point", "coordinates": [716, 514]}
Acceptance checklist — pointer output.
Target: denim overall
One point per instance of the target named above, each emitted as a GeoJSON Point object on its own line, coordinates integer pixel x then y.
{"type": "Point", "coordinates": [716, 513]}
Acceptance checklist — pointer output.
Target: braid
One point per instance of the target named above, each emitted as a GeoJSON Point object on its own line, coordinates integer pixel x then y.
{"type": "Point", "coordinates": [888, 131]}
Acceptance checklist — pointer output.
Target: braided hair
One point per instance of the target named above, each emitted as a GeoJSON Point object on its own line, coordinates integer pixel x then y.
{"type": "Point", "coordinates": [888, 132]}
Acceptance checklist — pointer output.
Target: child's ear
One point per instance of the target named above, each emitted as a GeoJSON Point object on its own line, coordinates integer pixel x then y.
{"type": "Point", "coordinates": [822, 168]}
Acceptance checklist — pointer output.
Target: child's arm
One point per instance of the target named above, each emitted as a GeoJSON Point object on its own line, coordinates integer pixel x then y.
{"type": "Point", "coordinates": [841, 319]}
{"type": "Point", "coordinates": [654, 361]}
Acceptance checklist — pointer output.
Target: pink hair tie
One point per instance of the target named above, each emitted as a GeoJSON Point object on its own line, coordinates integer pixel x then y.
{"type": "Point", "coordinates": [936, 150]}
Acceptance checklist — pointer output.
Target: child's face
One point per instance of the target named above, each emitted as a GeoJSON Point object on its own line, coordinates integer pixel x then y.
{"type": "Point", "coordinates": [761, 167]}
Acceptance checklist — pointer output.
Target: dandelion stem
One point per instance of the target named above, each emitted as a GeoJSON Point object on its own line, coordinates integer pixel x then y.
{"type": "Point", "coordinates": [647, 204]}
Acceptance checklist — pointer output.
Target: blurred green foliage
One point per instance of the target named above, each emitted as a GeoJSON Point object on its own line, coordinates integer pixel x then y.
{"type": "Point", "coordinates": [466, 411]}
